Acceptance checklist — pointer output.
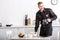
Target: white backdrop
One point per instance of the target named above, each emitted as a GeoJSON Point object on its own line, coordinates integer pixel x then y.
{"type": "Point", "coordinates": [13, 11]}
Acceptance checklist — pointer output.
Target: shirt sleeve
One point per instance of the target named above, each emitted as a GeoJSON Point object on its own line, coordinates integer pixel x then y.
{"type": "Point", "coordinates": [53, 15]}
{"type": "Point", "coordinates": [37, 22]}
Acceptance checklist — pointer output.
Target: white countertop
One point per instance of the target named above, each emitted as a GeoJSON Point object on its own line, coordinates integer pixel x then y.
{"type": "Point", "coordinates": [25, 26]}
{"type": "Point", "coordinates": [31, 38]}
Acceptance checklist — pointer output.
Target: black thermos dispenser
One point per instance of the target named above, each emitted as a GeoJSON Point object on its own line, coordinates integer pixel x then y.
{"type": "Point", "coordinates": [26, 21]}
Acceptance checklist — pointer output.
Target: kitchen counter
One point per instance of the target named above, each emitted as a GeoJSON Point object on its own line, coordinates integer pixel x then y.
{"type": "Point", "coordinates": [24, 26]}
{"type": "Point", "coordinates": [25, 30]}
{"type": "Point", "coordinates": [38, 38]}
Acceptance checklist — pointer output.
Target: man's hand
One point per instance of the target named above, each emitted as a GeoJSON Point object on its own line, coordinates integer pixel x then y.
{"type": "Point", "coordinates": [49, 20]}
{"type": "Point", "coordinates": [41, 10]}
{"type": "Point", "coordinates": [35, 35]}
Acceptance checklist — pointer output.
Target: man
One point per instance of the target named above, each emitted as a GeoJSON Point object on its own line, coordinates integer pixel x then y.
{"type": "Point", "coordinates": [45, 16]}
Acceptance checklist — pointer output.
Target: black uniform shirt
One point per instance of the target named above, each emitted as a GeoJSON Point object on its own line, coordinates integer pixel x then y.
{"type": "Point", "coordinates": [47, 13]}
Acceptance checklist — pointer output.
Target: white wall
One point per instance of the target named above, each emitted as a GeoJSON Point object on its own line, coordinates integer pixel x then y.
{"type": "Point", "coordinates": [13, 11]}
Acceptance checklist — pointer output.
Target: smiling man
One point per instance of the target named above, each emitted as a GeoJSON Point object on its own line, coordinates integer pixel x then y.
{"type": "Point", "coordinates": [45, 16]}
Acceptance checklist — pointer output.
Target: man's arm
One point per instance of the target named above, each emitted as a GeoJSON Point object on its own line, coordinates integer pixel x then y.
{"type": "Point", "coordinates": [52, 14]}
{"type": "Point", "coordinates": [37, 22]}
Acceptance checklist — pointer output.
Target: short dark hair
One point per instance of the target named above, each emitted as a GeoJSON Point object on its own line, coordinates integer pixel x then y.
{"type": "Point", "coordinates": [40, 3]}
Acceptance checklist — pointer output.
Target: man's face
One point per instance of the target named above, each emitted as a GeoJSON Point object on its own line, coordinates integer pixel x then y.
{"type": "Point", "coordinates": [41, 6]}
